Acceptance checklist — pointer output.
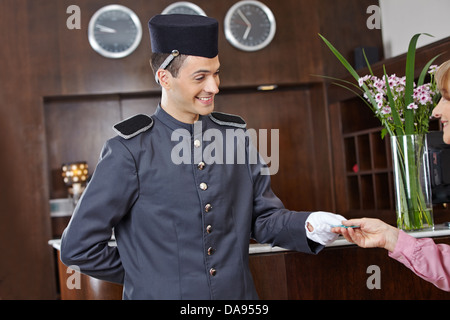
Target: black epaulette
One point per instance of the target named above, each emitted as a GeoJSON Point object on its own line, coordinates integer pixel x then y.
{"type": "Point", "coordinates": [225, 119]}
{"type": "Point", "coordinates": [132, 126]}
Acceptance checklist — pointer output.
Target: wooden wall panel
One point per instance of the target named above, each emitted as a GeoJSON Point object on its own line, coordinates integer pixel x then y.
{"type": "Point", "coordinates": [290, 112]}
{"type": "Point", "coordinates": [294, 56]}
{"type": "Point", "coordinates": [76, 131]}
{"type": "Point", "coordinates": [135, 105]}
{"type": "Point", "coordinates": [77, 128]}
{"type": "Point", "coordinates": [345, 36]}
{"type": "Point", "coordinates": [26, 268]}
{"type": "Point", "coordinates": [347, 276]}
{"type": "Point", "coordinates": [339, 273]}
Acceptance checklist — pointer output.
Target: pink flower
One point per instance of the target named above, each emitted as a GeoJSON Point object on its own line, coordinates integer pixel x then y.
{"type": "Point", "coordinates": [424, 98]}
{"type": "Point", "coordinates": [412, 106]}
{"type": "Point", "coordinates": [379, 97]}
{"type": "Point", "coordinates": [432, 69]}
{"type": "Point", "coordinates": [360, 82]}
{"type": "Point", "coordinates": [363, 79]}
{"type": "Point", "coordinates": [386, 110]}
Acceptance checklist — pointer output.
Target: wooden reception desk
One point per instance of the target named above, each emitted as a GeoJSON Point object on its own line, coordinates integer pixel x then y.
{"type": "Point", "coordinates": [341, 271]}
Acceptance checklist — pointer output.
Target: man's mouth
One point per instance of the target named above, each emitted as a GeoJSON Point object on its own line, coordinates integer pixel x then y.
{"type": "Point", "coordinates": [206, 100]}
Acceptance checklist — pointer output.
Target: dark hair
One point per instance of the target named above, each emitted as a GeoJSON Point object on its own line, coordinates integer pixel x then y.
{"type": "Point", "coordinates": [174, 67]}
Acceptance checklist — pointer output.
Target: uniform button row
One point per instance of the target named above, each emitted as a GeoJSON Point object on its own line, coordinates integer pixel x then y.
{"type": "Point", "coordinates": [203, 186]}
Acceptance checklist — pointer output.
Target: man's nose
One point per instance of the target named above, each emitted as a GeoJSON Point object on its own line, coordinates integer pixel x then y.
{"type": "Point", "coordinates": [212, 85]}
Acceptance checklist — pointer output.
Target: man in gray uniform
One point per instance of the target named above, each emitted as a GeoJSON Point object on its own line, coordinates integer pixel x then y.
{"type": "Point", "coordinates": [182, 219]}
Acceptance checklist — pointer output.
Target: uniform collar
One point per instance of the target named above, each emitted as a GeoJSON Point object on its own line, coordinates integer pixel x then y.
{"type": "Point", "coordinates": [173, 123]}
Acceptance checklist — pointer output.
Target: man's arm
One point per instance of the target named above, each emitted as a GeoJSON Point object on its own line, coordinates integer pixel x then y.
{"type": "Point", "coordinates": [108, 197]}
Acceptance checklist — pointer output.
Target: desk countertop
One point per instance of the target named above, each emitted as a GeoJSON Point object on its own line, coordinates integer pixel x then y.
{"type": "Point", "coordinates": [439, 230]}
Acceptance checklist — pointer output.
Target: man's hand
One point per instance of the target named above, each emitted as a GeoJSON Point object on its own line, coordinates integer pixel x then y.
{"type": "Point", "coordinates": [318, 226]}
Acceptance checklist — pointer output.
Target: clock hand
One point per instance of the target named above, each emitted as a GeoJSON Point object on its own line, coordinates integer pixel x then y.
{"type": "Point", "coordinates": [247, 31]}
{"type": "Point", "coordinates": [244, 18]}
{"type": "Point", "coordinates": [105, 29]}
{"type": "Point", "coordinates": [249, 25]}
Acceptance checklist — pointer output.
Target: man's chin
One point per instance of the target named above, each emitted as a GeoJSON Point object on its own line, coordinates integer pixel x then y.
{"type": "Point", "coordinates": [205, 110]}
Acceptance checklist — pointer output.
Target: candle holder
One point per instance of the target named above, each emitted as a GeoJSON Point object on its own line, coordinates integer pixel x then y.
{"type": "Point", "coordinates": [75, 175]}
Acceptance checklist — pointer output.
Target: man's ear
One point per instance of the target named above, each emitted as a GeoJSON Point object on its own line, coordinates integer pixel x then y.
{"type": "Point", "coordinates": [163, 76]}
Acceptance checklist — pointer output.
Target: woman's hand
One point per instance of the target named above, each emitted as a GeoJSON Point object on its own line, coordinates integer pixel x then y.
{"type": "Point", "coordinates": [372, 233]}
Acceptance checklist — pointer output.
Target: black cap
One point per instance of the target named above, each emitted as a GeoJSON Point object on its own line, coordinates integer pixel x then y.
{"type": "Point", "coordinates": [193, 35]}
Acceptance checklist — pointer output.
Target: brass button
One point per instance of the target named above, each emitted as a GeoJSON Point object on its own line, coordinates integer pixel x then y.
{"type": "Point", "coordinates": [208, 207]}
{"type": "Point", "coordinates": [211, 251]}
{"type": "Point", "coordinates": [197, 143]}
{"type": "Point", "coordinates": [212, 272]}
{"type": "Point", "coordinates": [201, 165]}
{"type": "Point", "coordinates": [203, 186]}
{"type": "Point", "coordinates": [209, 229]}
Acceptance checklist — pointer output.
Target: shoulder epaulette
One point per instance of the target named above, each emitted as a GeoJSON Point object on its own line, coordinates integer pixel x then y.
{"type": "Point", "coordinates": [226, 119]}
{"type": "Point", "coordinates": [133, 126]}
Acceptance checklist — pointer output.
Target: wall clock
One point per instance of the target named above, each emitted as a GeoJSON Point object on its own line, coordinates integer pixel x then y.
{"type": "Point", "coordinates": [114, 31]}
{"type": "Point", "coordinates": [184, 7]}
{"type": "Point", "coordinates": [249, 25]}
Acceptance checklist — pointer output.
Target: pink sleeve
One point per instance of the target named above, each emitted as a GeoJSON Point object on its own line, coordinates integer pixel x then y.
{"type": "Point", "coordinates": [425, 258]}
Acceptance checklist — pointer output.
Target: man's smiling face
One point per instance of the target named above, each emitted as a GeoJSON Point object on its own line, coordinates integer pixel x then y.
{"type": "Point", "coordinates": [192, 92]}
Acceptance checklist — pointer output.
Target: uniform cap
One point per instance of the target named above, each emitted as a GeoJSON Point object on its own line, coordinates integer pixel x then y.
{"type": "Point", "coordinates": [193, 35]}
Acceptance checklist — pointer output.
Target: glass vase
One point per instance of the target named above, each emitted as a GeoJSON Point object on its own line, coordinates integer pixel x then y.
{"type": "Point", "coordinates": [413, 199]}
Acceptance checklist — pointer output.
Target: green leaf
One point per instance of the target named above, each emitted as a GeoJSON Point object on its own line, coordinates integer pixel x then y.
{"type": "Point", "coordinates": [344, 61]}
{"type": "Point", "coordinates": [409, 86]}
{"type": "Point", "coordinates": [347, 65]}
{"type": "Point", "coordinates": [356, 93]}
{"type": "Point", "coordinates": [349, 68]}
{"type": "Point", "coordinates": [395, 115]}
{"type": "Point", "coordinates": [367, 62]}
{"type": "Point", "coordinates": [425, 70]}
{"type": "Point", "coordinates": [340, 80]}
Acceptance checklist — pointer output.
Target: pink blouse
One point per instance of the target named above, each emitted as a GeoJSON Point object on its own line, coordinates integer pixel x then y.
{"type": "Point", "coordinates": [428, 260]}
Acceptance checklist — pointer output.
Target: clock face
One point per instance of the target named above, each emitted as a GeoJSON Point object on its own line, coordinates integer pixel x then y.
{"type": "Point", "coordinates": [184, 7]}
{"type": "Point", "coordinates": [249, 25]}
{"type": "Point", "coordinates": [114, 31]}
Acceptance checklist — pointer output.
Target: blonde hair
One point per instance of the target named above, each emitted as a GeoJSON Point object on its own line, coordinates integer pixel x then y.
{"type": "Point", "coordinates": [442, 75]}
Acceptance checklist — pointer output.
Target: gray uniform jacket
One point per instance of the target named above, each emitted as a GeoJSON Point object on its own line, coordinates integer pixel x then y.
{"type": "Point", "coordinates": [182, 229]}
